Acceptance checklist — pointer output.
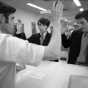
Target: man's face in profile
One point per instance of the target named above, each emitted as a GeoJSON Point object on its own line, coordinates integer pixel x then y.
{"type": "Point", "coordinates": [42, 28]}
{"type": "Point", "coordinates": [83, 24]}
{"type": "Point", "coordinates": [5, 27]}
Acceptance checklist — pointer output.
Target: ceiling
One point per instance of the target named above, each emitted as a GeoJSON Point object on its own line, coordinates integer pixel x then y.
{"type": "Point", "coordinates": [70, 8]}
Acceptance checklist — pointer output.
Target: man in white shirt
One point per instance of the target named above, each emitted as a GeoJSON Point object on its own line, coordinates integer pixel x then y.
{"type": "Point", "coordinates": [14, 50]}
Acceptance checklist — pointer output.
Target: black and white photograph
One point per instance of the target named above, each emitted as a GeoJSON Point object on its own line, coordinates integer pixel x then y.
{"type": "Point", "coordinates": [43, 43]}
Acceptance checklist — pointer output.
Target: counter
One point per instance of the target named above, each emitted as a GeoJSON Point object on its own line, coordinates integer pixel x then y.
{"type": "Point", "coordinates": [50, 75]}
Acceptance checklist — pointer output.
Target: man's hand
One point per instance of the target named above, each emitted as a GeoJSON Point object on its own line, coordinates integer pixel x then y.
{"type": "Point", "coordinates": [56, 11]}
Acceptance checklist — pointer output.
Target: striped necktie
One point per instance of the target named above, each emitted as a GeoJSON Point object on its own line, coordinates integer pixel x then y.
{"type": "Point", "coordinates": [41, 39]}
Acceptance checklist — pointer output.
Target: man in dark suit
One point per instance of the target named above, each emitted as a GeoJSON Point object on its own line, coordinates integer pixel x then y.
{"type": "Point", "coordinates": [74, 41]}
{"type": "Point", "coordinates": [43, 37]}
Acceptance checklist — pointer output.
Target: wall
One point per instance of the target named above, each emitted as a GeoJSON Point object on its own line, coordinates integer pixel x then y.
{"type": "Point", "coordinates": [27, 18]}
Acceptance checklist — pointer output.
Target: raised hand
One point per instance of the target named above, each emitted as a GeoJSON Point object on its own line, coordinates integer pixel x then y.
{"type": "Point", "coordinates": [54, 47]}
{"type": "Point", "coordinates": [56, 11]}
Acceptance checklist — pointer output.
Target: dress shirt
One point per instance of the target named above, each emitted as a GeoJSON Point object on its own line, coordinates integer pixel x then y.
{"type": "Point", "coordinates": [14, 50]}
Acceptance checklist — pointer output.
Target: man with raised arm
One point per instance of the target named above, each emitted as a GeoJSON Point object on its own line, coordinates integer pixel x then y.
{"type": "Point", "coordinates": [14, 50]}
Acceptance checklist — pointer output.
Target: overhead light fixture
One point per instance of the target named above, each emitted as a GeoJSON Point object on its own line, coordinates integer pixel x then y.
{"type": "Point", "coordinates": [81, 9]}
{"type": "Point", "coordinates": [45, 12]}
{"type": "Point", "coordinates": [37, 7]}
{"type": "Point", "coordinates": [77, 2]}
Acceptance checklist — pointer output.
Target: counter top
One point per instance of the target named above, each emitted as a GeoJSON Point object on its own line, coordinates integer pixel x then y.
{"type": "Point", "coordinates": [49, 75]}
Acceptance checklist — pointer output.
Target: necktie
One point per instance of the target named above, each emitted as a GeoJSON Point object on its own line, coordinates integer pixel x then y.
{"type": "Point", "coordinates": [41, 39]}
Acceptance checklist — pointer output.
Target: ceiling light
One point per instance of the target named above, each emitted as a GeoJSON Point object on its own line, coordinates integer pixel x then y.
{"type": "Point", "coordinates": [77, 2]}
{"type": "Point", "coordinates": [81, 9]}
{"type": "Point", "coordinates": [37, 7]}
{"type": "Point", "coordinates": [45, 12]}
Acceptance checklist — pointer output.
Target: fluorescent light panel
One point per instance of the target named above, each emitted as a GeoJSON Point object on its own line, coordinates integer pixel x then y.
{"type": "Point", "coordinates": [37, 7]}
{"type": "Point", "coordinates": [45, 12]}
{"type": "Point", "coordinates": [77, 2]}
{"type": "Point", "coordinates": [81, 9]}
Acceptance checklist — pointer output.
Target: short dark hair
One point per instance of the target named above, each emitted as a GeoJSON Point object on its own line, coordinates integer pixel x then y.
{"type": "Point", "coordinates": [6, 10]}
{"type": "Point", "coordinates": [44, 21]}
{"type": "Point", "coordinates": [83, 14]}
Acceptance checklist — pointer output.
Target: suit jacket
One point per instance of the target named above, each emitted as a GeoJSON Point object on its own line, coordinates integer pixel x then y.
{"type": "Point", "coordinates": [21, 36]}
{"type": "Point", "coordinates": [74, 43]}
{"type": "Point", "coordinates": [35, 38]}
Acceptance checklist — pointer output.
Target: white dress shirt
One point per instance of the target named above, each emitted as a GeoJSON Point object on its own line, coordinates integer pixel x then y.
{"type": "Point", "coordinates": [14, 50]}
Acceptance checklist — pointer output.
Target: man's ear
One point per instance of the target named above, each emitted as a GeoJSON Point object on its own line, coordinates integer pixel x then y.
{"type": "Point", "coordinates": [46, 27]}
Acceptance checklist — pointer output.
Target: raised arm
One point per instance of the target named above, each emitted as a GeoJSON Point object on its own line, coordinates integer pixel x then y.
{"type": "Point", "coordinates": [54, 48]}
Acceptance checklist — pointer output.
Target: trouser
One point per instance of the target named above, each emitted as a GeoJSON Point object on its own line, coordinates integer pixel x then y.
{"type": "Point", "coordinates": [71, 60]}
